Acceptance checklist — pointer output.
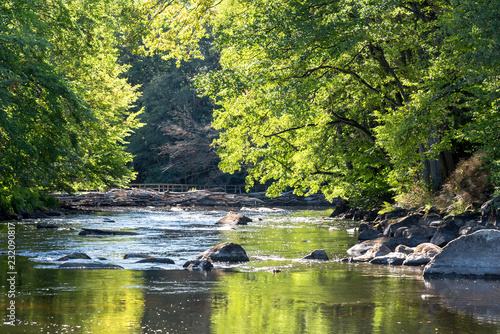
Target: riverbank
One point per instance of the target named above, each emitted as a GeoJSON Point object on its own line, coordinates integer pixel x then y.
{"type": "Point", "coordinates": [448, 245]}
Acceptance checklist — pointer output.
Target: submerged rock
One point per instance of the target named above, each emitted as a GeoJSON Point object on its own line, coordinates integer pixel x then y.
{"type": "Point", "coordinates": [317, 254]}
{"type": "Point", "coordinates": [74, 265]}
{"type": "Point", "coordinates": [165, 260]}
{"type": "Point", "coordinates": [137, 255]}
{"type": "Point", "coordinates": [225, 252]}
{"type": "Point", "coordinates": [46, 225]}
{"type": "Point", "coordinates": [234, 218]}
{"type": "Point", "coordinates": [198, 265]}
{"type": "Point", "coordinates": [74, 256]}
{"type": "Point", "coordinates": [97, 232]}
{"type": "Point", "coordinates": [471, 255]}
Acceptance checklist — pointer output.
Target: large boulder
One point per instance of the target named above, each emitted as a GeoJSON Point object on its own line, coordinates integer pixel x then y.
{"type": "Point", "coordinates": [225, 252]}
{"type": "Point", "coordinates": [234, 218]}
{"type": "Point", "coordinates": [317, 254]}
{"type": "Point", "coordinates": [470, 255]}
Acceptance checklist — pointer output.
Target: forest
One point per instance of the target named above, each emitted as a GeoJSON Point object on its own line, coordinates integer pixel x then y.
{"type": "Point", "coordinates": [372, 101]}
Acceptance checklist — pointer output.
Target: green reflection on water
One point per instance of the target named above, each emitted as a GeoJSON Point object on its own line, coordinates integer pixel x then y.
{"type": "Point", "coordinates": [88, 301]}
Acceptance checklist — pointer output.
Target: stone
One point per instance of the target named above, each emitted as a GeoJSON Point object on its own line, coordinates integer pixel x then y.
{"type": "Point", "coordinates": [402, 222]}
{"type": "Point", "coordinates": [340, 208]}
{"type": "Point", "coordinates": [234, 218]}
{"type": "Point", "coordinates": [225, 252]}
{"type": "Point", "coordinates": [444, 234]}
{"type": "Point", "coordinates": [137, 255]}
{"type": "Point", "coordinates": [418, 231]}
{"type": "Point", "coordinates": [97, 232]}
{"type": "Point", "coordinates": [430, 218]}
{"type": "Point", "coordinates": [472, 255]}
{"type": "Point", "coordinates": [391, 243]}
{"type": "Point", "coordinates": [74, 256]}
{"type": "Point", "coordinates": [369, 234]}
{"type": "Point", "coordinates": [422, 255]}
{"type": "Point", "coordinates": [165, 260]}
{"type": "Point", "coordinates": [317, 254]}
{"type": "Point", "coordinates": [377, 250]}
{"type": "Point", "coordinates": [198, 265]}
{"type": "Point", "coordinates": [404, 249]}
{"type": "Point", "coordinates": [393, 259]}
{"type": "Point", "coordinates": [74, 265]}
{"type": "Point", "coordinates": [46, 226]}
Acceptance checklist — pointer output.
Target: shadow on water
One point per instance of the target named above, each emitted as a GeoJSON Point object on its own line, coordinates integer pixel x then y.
{"type": "Point", "coordinates": [275, 292]}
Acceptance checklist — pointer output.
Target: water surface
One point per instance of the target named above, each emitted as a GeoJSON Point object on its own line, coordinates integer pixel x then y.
{"type": "Point", "coordinates": [275, 292]}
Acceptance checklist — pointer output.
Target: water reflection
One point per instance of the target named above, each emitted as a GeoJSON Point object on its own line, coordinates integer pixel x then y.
{"type": "Point", "coordinates": [475, 297]}
{"type": "Point", "coordinates": [304, 297]}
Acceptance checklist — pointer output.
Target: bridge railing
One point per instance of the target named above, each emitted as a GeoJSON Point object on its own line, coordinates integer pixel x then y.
{"type": "Point", "coordinates": [162, 187]}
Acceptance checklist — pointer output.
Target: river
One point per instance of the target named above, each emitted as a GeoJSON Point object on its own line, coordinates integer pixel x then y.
{"type": "Point", "coordinates": [275, 292]}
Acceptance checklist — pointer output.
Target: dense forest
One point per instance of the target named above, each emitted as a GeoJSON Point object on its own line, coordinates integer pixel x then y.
{"type": "Point", "coordinates": [367, 100]}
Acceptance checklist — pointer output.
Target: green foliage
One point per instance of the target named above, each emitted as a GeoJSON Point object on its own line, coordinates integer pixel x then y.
{"type": "Point", "coordinates": [355, 99]}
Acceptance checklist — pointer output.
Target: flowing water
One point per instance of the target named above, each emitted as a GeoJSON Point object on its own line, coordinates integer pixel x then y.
{"type": "Point", "coordinates": [275, 292]}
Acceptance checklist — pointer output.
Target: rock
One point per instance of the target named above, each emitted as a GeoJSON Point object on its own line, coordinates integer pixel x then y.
{"type": "Point", "coordinates": [369, 234]}
{"type": "Point", "coordinates": [391, 243]}
{"type": "Point", "coordinates": [362, 227]}
{"type": "Point", "coordinates": [422, 255]}
{"type": "Point", "coordinates": [198, 265]}
{"type": "Point", "coordinates": [378, 250]}
{"type": "Point", "coordinates": [46, 226]}
{"type": "Point", "coordinates": [317, 254]}
{"type": "Point", "coordinates": [74, 256]}
{"type": "Point", "coordinates": [416, 231]}
{"type": "Point", "coordinates": [463, 218]}
{"type": "Point", "coordinates": [225, 252]}
{"type": "Point", "coordinates": [137, 255]}
{"type": "Point", "coordinates": [97, 232]}
{"type": "Point", "coordinates": [165, 260]}
{"type": "Point", "coordinates": [234, 219]}
{"type": "Point", "coordinates": [429, 219]}
{"type": "Point", "coordinates": [74, 265]}
{"type": "Point", "coordinates": [490, 212]}
{"type": "Point", "coordinates": [404, 249]}
{"type": "Point", "coordinates": [393, 259]}
{"type": "Point", "coordinates": [394, 214]}
{"type": "Point", "coordinates": [472, 255]}
{"type": "Point", "coordinates": [408, 221]}
{"type": "Point", "coordinates": [340, 208]}
{"type": "Point", "coordinates": [445, 234]}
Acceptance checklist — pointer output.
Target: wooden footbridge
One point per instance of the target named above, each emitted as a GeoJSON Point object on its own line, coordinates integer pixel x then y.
{"type": "Point", "coordinates": [169, 187]}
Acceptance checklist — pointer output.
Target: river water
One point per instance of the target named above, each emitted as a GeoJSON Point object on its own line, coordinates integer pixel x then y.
{"type": "Point", "coordinates": [275, 292]}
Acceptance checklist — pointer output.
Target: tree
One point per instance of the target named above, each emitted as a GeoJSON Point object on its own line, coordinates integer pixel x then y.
{"type": "Point", "coordinates": [65, 107]}
{"type": "Point", "coordinates": [174, 146]}
{"type": "Point", "coordinates": [356, 99]}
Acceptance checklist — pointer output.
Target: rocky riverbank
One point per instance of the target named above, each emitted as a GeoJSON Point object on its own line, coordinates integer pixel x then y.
{"type": "Point", "coordinates": [462, 245]}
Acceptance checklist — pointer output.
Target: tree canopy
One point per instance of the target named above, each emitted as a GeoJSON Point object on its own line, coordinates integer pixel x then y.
{"type": "Point", "coordinates": [361, 99]}
{"type": "Point", "coordinates": [65, 106]}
